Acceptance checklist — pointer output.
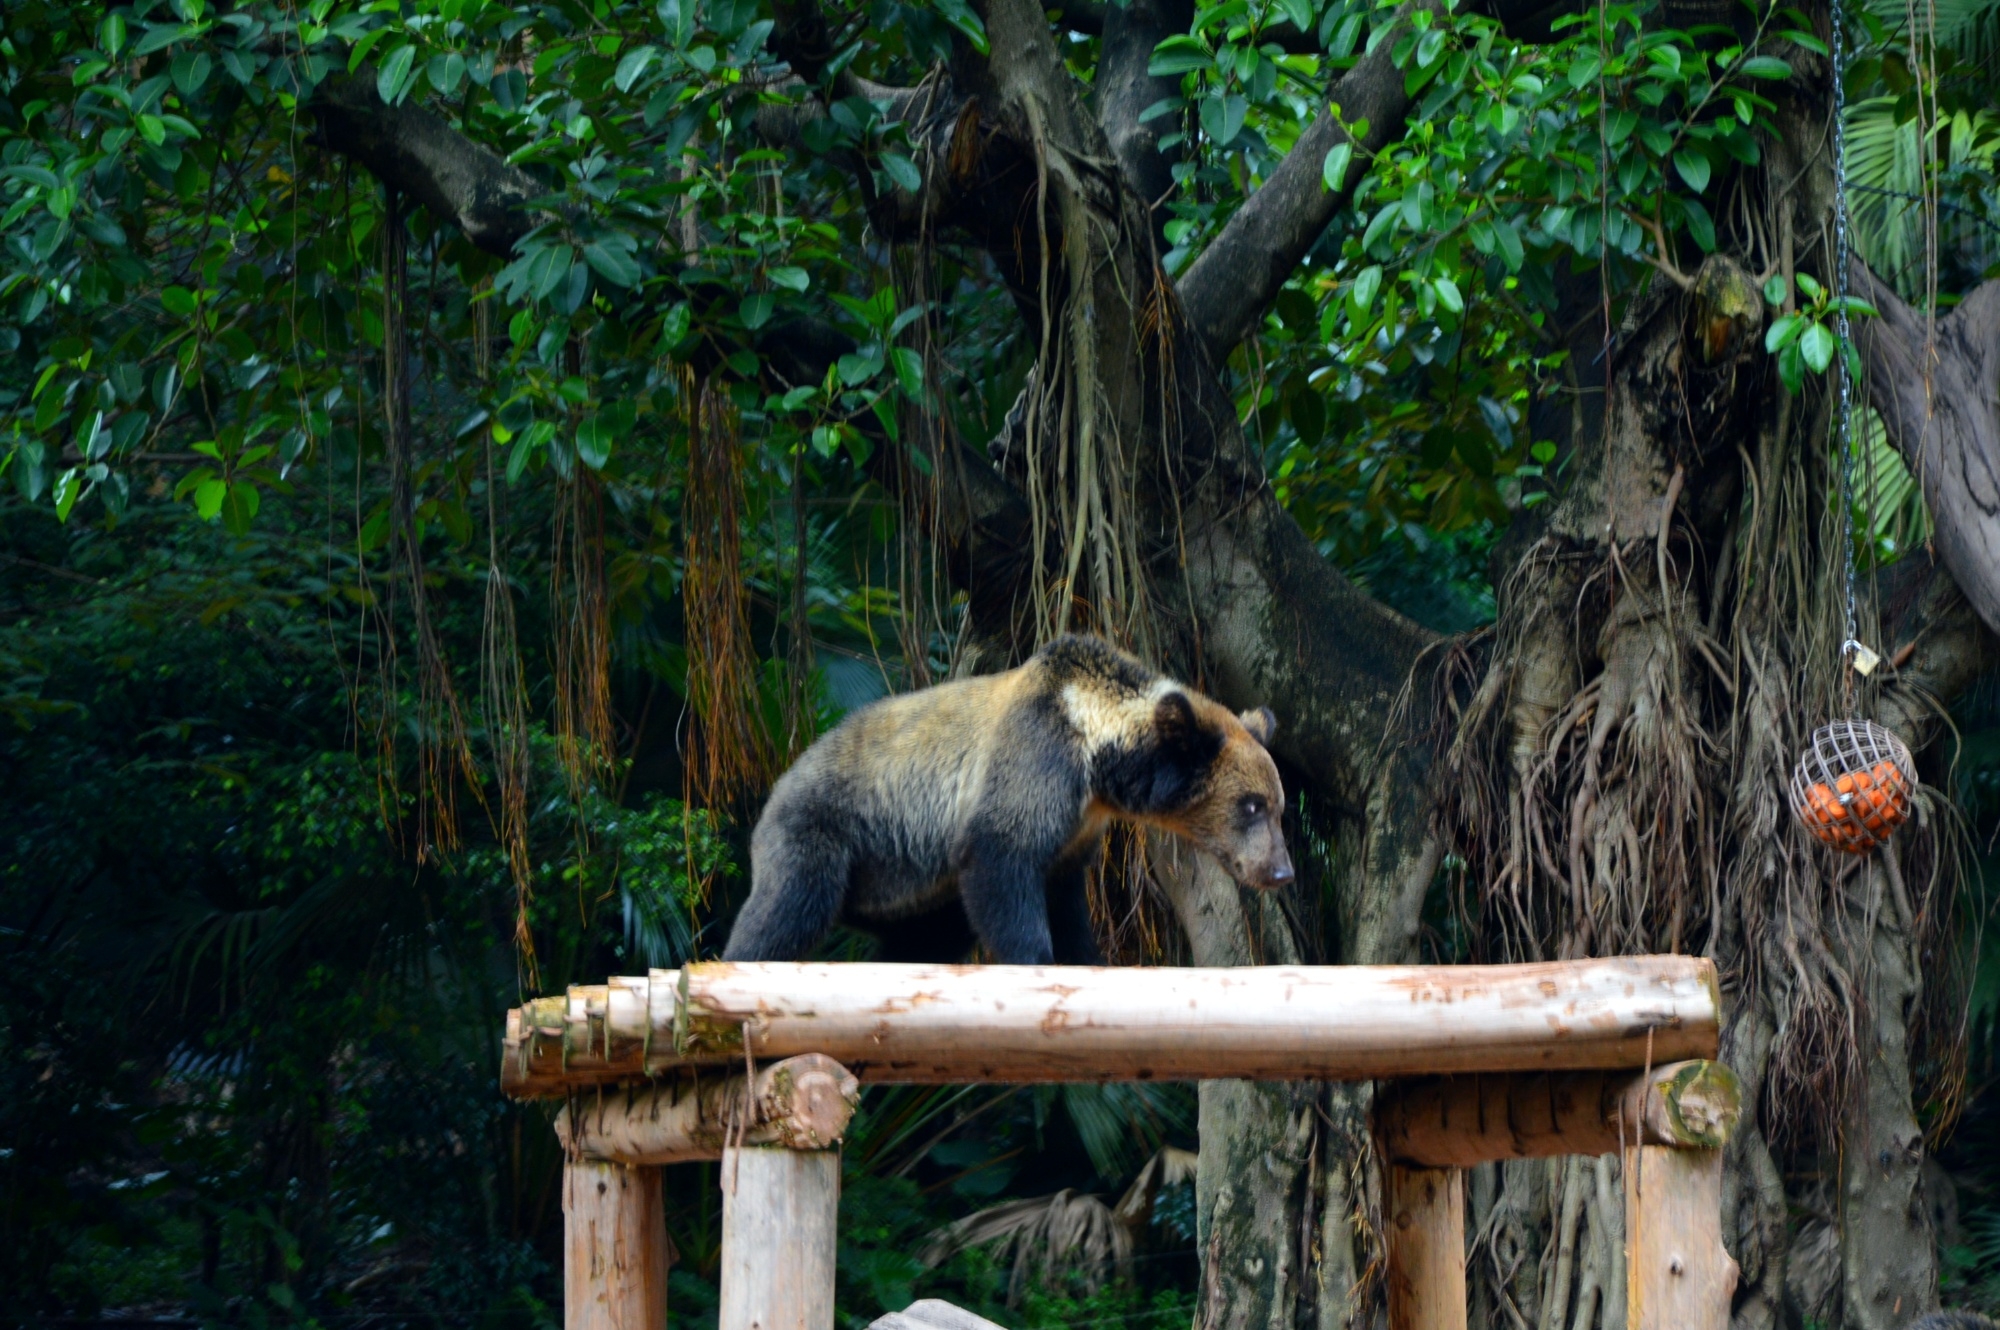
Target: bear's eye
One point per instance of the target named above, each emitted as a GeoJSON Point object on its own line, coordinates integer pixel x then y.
{"type": "Point", "coordinates": [1253, 808]}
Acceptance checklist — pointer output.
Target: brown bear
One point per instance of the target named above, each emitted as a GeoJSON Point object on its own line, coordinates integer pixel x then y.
{"type": "Point", "coordinates": [984, 801]}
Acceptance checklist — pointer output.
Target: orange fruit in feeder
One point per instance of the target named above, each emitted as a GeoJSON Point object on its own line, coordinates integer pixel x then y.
{"type": "Point", "coordinates": [1856, 810]}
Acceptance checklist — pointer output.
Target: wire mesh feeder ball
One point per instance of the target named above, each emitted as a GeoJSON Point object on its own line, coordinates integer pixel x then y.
{"type": "Point", "coordinates": [1853, 785]}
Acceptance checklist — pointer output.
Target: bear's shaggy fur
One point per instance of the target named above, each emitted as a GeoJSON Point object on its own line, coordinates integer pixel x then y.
{"type": "Point", "coordinates": [984, 801]}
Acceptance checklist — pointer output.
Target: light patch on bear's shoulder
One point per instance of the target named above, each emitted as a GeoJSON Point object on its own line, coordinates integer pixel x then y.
{"type": "Point", "coordinates": [1104, 717]}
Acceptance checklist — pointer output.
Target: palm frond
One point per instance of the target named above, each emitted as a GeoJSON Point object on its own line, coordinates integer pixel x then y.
{"type": "Point", "coordinates": [1890, 515]}
{"type": "Point", "coordinates": [1054, 1240]}
{"type": "Point", "coordinates": [1121, 1122]}
{"type": "Point", "coordinates": [1886, 188]}
{"type": "Point", "coordinates": [1969, 28]}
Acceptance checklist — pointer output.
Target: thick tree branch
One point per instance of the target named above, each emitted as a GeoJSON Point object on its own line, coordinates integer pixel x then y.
{"type": "Point", "coordinates": [1944, 418]}
{"type": "Point", "coordinates": [1229, 287]}
{"type": "Point", "coordinates": [1125, 90]}
{"type": "Point", "coordinates": [414, 151]}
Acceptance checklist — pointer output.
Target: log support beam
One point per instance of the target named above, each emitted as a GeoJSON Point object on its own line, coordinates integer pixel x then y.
{"type": "Point", "coordinates": [780, 1210]}
{"type": "Point", "coordinates": [1669, 1123]}
{"type": "Point", "coordinates": [1677, 1274]}
{"type": "Point", "coordinates": [1426, 1243]}
{"type": "Point", "coordinates": [615, 1250]}
{"type": "Point", "coordinates": [777, 1133]}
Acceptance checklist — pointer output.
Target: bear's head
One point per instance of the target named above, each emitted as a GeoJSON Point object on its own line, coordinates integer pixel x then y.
{"type": "Point", "coordinates": [1237, 810]}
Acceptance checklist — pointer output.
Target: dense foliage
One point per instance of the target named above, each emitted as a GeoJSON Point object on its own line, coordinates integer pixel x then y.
{"type": "Point", "coordinates": [301, 780]}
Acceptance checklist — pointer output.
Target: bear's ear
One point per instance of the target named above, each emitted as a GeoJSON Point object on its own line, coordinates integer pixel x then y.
{"type": "Point", "coordinates": [1174, 722]}
{"type": "Point", "coordinates": [1261, 724]}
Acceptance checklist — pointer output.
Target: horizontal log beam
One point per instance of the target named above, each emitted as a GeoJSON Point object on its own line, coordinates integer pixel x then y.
{"type": "Point", "coordinates": [943, 1024]}
{"type": "Point", "coordinates": [1463, 1121]}
{"type": "Point", "coordinates": [803, 1103]}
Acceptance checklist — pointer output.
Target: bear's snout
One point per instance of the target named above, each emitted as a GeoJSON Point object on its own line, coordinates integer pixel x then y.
{"type": "Point", "coordinates": [1278, 871]}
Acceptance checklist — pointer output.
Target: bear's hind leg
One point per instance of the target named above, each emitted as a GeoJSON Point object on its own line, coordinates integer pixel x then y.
{"type": "Point", "coordinates": [798, 881]}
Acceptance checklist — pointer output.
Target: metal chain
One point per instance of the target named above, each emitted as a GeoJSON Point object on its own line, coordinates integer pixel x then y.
{"type": "Point", "coordinates": [1844, 425]}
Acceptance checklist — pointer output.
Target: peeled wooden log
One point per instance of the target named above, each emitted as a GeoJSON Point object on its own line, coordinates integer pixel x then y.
{"type": "Point", "coordinates": [1426, 1241]}
{"type": "Point", "coordinates": [1461, 1121]}
{"type": "Point", "coordinates": [780, 1229]}
{"type": "Point", "coordinates": [1678, 1275]}
{"type": "Point", "coordinates": [615, 1248]}
{"type": "Point", "coordinates": [802, 1103]}
{"type": "Point", "coordinates": [942, 1024]}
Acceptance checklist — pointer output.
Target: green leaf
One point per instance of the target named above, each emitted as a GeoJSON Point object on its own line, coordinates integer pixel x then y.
{"type": "Point", "coordinates": [1816, 345]}
{"type": "Point", "coordinates": [909, 372]}
{"type": "Point", "coordinates": [159, 36]}
{"type": "Point", "coordinates": [791, 279]}
{"type": "Point", "coordinates": [857, 367]}
{"type": "Point", "coordinates": [960, 16]}
{"type": "Point", "coordinates": [1366, 283]}
{"type": "Point", "coordinates": [517, 461]}
{"type": "Point", "coordinates": [1766, 67]}
{"type": "Point", "coordinates": [190, 71]}
{"type": "Point", "coordinates": [1783, 331]}
{"type": "Point", "coordinates": [613, 260]}
{"type": "Point", "coordinates": [1178, 55]}
{"type": "Point", "coordinates": [1774, 290]}
{"type": "Point", "coordinates": [1334, 172]}
{"type": "Point", "coordinates": [1448, 294]}
{"type": "Point", "coordinates": [903, 171]}
{"type": "Point", "coordinates": [1222, 118]}
{"type": "Point", "coordinates": [1693, 168]}
{"type": "Point", "coordinates": [389, 82]}
{"type": "Point", "coordinates": [1583, 71]}
{"type": "Point", "coordinates": [1699, 224]}
{"type": "Point", "coordinates": [755, 311]}
{"type": "Point", "coordinates": [239, 508]}
{"type": "Point", "coordinates": [633, 67]}
{"type": "Point", "coordinates": [178, 301]}
{"type": "Point", "coordinates": [1429, 47]}
{"type": "Point", "coordinates": [593, 443]}
{"type": "Point", "coordinates": [446, 72]}
{"type": "Point", "coordinates": [1618, 127]}
{"type": "Point", "coordinates": [674, 327]}
{"type": "Point", "coordinates": [1791, 368]}
{"type": "Point", "coordinates": [68, 486]}
{"type": "Point", "coordinates": [548, 269]}
{"type": "Point", "coordinates": [208, 497]}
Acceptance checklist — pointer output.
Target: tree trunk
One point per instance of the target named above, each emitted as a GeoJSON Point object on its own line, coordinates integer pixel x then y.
{"type": "Point", "coordinates": [1251, 1186]}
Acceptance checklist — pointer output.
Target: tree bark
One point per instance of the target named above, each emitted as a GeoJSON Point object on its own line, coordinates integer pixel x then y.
{"type": "Point", "coordinates": [1256, 1137]}
{"type": "Point", "coordinates": [1941, 403]}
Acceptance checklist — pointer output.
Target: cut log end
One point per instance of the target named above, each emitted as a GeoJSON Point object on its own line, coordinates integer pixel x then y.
{"type": "Point", "coordinates": [802, 1103]}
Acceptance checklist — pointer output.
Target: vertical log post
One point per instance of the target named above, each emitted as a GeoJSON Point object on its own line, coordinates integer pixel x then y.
{"type": "Point", "coordinates": [614, 1247]}
{"type": "Point", "coordinates": [780, 1207]}
{"type": "Point", "coordinates": [1426, 1248]}
{"type": "Point", "coordinates": [1678, 1276]}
